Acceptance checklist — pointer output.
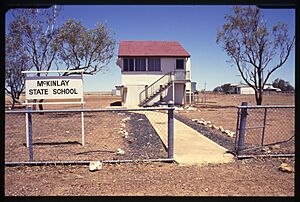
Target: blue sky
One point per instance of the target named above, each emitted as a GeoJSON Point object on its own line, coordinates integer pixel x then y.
{"type": "Point", "coordinates": [195, 27]}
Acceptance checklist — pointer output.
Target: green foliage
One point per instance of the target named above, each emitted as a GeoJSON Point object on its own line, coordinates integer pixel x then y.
{"type": "Point", "coordinates": [82, 48]}
{"type": "Point", "coordinates": [226, 87]}
{"type": "Point", "coordinates": [223, 88]}
{"type": "Point", "coordinates": [36, 30]}
{"type": "Point", "coordinates": [283, 85]}
{"type": "Point", "coordinates": [218, 89]}
{"type": "Point", "coordinates": [71, 46]}
{"type": "Point", "coordinates": [35, 42]}
{"type": "Point", "coordinates": [15, 62]}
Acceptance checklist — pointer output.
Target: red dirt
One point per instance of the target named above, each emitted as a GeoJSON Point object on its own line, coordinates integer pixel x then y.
{"type": "Point", "coordinates": [252, 177]}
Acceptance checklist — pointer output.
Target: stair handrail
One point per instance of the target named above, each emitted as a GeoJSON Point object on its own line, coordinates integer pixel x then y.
{"type": "Point", "coordinates": [155, 82]}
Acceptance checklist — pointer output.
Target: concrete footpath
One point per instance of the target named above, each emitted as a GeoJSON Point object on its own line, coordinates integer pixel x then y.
{"type": "Point", "coordinates": [190, 146]}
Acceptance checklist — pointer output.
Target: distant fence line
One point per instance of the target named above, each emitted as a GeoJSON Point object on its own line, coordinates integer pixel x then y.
{"type": "Point", "coordinates": [104, 93]}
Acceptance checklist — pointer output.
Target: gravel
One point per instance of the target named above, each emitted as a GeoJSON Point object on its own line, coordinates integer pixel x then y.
{"type": "Point", "coordinates": [143, 141]}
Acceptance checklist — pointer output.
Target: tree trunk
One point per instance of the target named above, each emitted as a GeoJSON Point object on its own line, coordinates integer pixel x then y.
{"type": "Point", "coordinates": [258, 97]}
{"type": "Point", "coordinates": [34, 106]}
{"type": "Point", "coordinates": [259, 100]}
{"type": "Point", "coordinates": [41, 106]}
{"type": "Point", "coordinates": [13, 103]}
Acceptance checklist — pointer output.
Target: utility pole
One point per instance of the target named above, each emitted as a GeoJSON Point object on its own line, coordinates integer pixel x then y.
{"type": "Point", "coordinates": [205, 93]}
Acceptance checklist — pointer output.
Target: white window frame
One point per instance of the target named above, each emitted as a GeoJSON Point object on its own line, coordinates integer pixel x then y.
{"type": "Point", "coordinates": [183, 63]}
{"type": "Point", "coordinates": [128, 58]}
{"type": "Point", "coordinates": [135, 66]}
{"type": "Point", "coordinates": [159, 64]}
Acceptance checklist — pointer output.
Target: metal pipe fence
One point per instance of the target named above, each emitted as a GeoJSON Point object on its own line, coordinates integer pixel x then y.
{"type": "Point", "coordinates": [191, 98]}
{"type": "Point", "coordinates": [118, 135]}
{"type": "Point", "coordinates": [265, 130]}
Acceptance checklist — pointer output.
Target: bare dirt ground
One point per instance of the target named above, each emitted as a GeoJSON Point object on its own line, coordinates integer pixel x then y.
{"type": "Point", "coordinates": [58, 137]}
{"type": "Point", "coordinates": [259, 177]}
{"type": "Point", "coordinates": [250, 177]}
{"type": "Point", "coordinates": [221, 108]}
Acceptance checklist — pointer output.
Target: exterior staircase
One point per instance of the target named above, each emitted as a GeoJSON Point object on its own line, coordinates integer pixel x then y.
{"type": "Point", "coordinates": [156, 88]}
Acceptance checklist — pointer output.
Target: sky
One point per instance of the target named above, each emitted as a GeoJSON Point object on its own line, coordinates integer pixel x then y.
{"type": "Point", "coordinates": [193, 26]}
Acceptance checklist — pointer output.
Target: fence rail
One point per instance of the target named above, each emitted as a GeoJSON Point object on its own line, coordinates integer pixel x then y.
{"type": "Point", "coordinates": [265, 130]}
{"type": "Point", "coordinates": [109, 135]}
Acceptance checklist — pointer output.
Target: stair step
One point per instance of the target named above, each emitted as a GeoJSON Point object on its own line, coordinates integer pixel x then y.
{"type": "Point", "coordinates": [150, 97]}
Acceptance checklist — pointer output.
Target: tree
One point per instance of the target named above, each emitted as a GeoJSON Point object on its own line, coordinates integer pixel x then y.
{"type": "Point", "coordinates": [15, 62]}
{"type": "Point", "coordinates": [251, 48]}
{"type": "Point", "coordinates": [37, 32]}
{"type": "Point", "coordinates": [85, 49]}
{"type": "Point", "coordinates": [283, 85]}
{"type": "Point", "coordinates": [218, 89]}
{"type": "Point", "coordinates": [226, 87]}
{"type": "Point", "coordinates": [71, 46]}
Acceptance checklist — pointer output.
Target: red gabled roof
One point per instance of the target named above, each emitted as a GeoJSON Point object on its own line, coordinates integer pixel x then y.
{"type": "Point", "coordinates": [152, 48]}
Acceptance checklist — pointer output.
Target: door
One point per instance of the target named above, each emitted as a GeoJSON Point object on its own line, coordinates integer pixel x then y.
{"type": "Point", "coordinates": [180, 69]}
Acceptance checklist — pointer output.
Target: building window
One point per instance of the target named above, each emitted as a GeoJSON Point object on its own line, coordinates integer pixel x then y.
{"type": "Point", "coordinates": [179, 63]}
{"type": "Point", "coordinates": [140, 64]}
{"type": "Point", "coordinates": [154, 64]}
{"type": "Point", "coordinates": [128, 64]}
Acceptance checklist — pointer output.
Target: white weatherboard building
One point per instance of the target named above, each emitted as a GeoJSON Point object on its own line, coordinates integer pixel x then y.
{"type": "Point", "coordinates": [153, 72]}
{"type": "Point", "coordinates": [244, 89]}
{"type": "Point", "coordinates": [191, 86]}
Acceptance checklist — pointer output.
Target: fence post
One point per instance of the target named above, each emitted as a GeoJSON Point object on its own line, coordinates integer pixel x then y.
{"type": "Point", "coordinates": [170, 130]}
{"type": "Point", "coordinates": [26, 120]}
{"type": "Point", "coordinates": [30, 135]}
{"type": "Point", "coordinates": [263, 132]}
{"type": "Point", "coordinates": [82, 128]}
{"type": "Point", "coordinates": [237, 130]}
{"type": "Point", "coordinates": [242, 128]}
{"type": "Point", "coordinates": [82, 117]}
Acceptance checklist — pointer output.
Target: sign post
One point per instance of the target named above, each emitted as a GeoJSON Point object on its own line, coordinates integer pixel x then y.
{"type": "Point", "coordinates": [54, 87]}
{"type": "Point", "coordinates": [27, 125]}
{"type": "Point", "coordinates": [82, 116]}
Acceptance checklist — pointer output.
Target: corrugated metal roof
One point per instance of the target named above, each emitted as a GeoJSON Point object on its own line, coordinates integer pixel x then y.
{"type": "Point", "coordinates": [152, 48]}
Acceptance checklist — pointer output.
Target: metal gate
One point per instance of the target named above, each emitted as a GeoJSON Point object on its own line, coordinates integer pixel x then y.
{"type": "Point", "coordinates": [265, 130]}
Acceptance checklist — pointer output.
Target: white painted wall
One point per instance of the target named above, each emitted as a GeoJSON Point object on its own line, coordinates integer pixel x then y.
{"type": "Point", "coordinates": [132, 95]}
{"type": "Point", "coordinates": [139, 78]}
{"type": "Point", "coordinates": [168, 94]}
{"type": "Point", "coordinates": [146, 77]}
{"type": "Point", "coordinates": [135, 82]}
{"type": "Point", "coordinates": [188, 65]}
{"type": "Point", "coordinates": [191, 86]}
{"type": "Point", "coordinates": [246, 90]}
{"type": "Point", "coordinates": [179, 92]}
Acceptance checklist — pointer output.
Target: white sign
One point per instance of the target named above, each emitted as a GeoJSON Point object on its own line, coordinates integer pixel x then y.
{"type": "Point", "coordinates": [54, 87]}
